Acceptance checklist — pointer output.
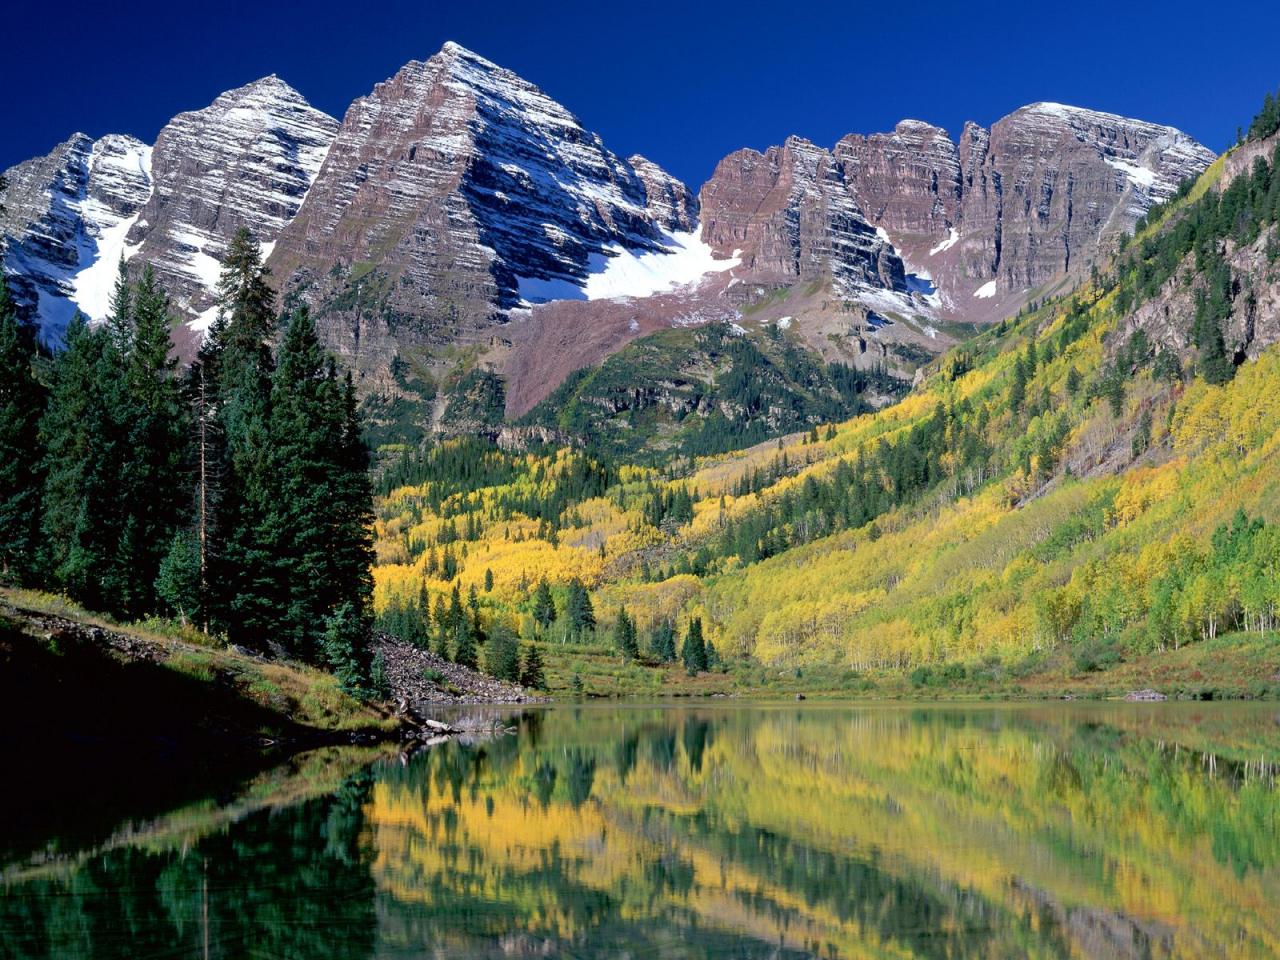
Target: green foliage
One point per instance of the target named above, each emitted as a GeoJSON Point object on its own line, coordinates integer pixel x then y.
{"type": "Point", "coordinates": [694, 651]}
{"type": "Point", "coordinates": [1267, 121]}
{"type": "Point", "coordinates": [532, 672]}
{"type": "Point", "coordinates": [662, 644]}
{"type": "Point", "coordinates": [22, 401]}
{"type": "Point", "coordinates": [579, 611]}
{"type": "Point", "coordinates": [115, 442]}
{"type": "Point", "coordinates": [705, 391]}
{"type": "Point", "coordinates": [478, 401]}
{"type": "Point", "coordinates": [178, 581]}
{"type": "Point", "coordinates": [502, 654]}
{"type": "Point", "coordinates": [346, 649]}
{"type": "Point", "coordinates": [544, 606]}
{"type": "Point", "coordinates": [624, 636]}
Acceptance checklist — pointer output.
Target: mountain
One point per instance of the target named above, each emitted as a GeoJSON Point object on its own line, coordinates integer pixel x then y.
{"type": "Point", "coordinates": [245, 160]}
{"type": "Point", "coordinates": [65, 220]}
{"type": "Point", "coordinates": [463, 238]}
{"type": "Point", "coordinates": [1085, 496]}
{"type": "Point", "coordinates": [457, 192]}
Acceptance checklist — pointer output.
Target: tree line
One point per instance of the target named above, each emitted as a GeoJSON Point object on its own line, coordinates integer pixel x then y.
{"type": "Point", "coordinates": [233, 495]}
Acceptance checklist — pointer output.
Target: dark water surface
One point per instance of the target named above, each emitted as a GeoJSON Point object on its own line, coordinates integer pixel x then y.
{"type": "Point", "coordinates": [728, 831]}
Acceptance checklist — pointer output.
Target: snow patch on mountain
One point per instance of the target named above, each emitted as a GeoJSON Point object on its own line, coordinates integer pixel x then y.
{"type": "Point", "coordinates": [620, 273]}
{"type": "Point", "coordinates": [1137, 175]}
{"type": "Point", "coordinates": [953, 236]}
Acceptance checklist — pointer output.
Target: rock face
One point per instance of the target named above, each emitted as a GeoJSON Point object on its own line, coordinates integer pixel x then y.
{"type": "Point", "coordinates": [908, 181]}
{"type": "Point", "coordinates": [792, 215]}
{"type": "Point", "coordinates": [64, 222]}
{"type": "Point", "coordinates": [458, 206]}
{"type": "Point", "coordinates": [1050, 187]}
{"type": "Point", "coordinates": [465, 190]}
{"type": "Point", "coordinates": [248, 160]}
{"type": "Point", "coordinates": [989, 221]}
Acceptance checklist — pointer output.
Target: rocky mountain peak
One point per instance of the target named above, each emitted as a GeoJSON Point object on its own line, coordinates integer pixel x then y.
{"type": "Point", "coordinates": [247, 160]}
{"type": "Point", "coordinates": [64, 225]}
{"type": "Point", "coordinates": [456, 191]}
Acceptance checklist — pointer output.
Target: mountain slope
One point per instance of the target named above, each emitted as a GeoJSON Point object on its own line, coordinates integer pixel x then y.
{"type": "Point", "coordinates": [245, 160]}
{"type": "Point", "coordinates": [1092, 483]}
{"type": "Point", "coordinates": [66, 219]}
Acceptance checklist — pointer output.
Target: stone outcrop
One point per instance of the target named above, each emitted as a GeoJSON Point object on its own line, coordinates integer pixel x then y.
{"type": "Point", "coordinates": [64, 224]}
{"type": "Point", "coordinates": [790, 215]}
{"type": "Point", "coordinates": [989, 221]}
{"type": "Point", "coordinates": [246, 160]}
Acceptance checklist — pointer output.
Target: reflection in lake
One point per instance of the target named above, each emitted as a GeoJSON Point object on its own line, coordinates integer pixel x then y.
{"type": "Point", "coordinates": [757, 831]}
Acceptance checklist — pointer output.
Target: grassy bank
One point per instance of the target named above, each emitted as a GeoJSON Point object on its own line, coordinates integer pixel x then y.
{"type": "Point", "coordinates": [1234, 666]}
{"type": "Point", "coordinates": [62, 663]}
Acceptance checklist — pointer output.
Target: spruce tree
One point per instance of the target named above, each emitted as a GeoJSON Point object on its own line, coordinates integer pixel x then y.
{"type": "Point", "coordinates": [544, 606]}
{"type": "Point", "coordinates": [315, 531]}
{"type": "Point", "coordinates": [664, 642]}
{"type": "Point", "coordinates": [154, 482]}
{"type": "Point", "coordinates": [532, 674]}
{"type": "Point", "coordinates": [178, 581]}
{"type": "Point", "coordinates": [238, 367]}
{"type": "Point", "coordinates": [84, 445]}
{"type": "Point", "coordinates": [346, 650]}
{"type": "Point", "coordinates": [442, 636]}
{"type": "Point", "coordinates": [502, 654]}
{"type": "Point", "coordinates": [694, 652]}
{"type": "Point", "coordinates": [22, 401]}
{"type": "Point", "coordinates": [624, 636]}
{"type": "Point", "coordinates": [1018, 388]}
{"type": "Point", "coordinates": [579, 610]}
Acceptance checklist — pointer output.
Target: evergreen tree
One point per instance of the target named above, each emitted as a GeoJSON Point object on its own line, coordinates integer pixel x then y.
{"type": "Point", "coordinates": [1073, 382]}
{"type": "Point", "coordinates": [22, 401]}
{"type": "Point", "coordinates": [464, 652]}
{"type": "Point", "coordinates": [713, 656]}
{"type": "Point", "coordinates": [578, 610]}
{"type": "Point", "coordinates": [237, 367]}
{"type": "Point", "coordinates": [544, 606]}
{"type": "Point", "coordinates": [346, 649]}
{"type": "Point", "coordinates": [502, 654]}
{"type": "Point", "coordinates": [441, 629]}
{"type": "Point", "coordinates": [624, 636]}
{"type": "Point", "coordinates": [1018, 388]}
{"type": "Point", "coordinates": [84, 446]}
{"type": "Point", "coordinates": [694, 651]}
{"type": "Point", "coordinates": [178, 581]}
{"type": "Point", "coordinates": [663, 643]}
{"type": "Point", "coordinates": [153, 487]}
{"type": "Point", "coordinates": [531, 671]}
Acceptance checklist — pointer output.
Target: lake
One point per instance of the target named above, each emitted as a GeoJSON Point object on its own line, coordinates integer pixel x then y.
{"type": "Point", "coordinates": [743, 831]}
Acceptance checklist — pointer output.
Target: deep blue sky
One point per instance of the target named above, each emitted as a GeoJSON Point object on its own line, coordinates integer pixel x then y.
{"type": "Point", "coordinates": [682, 82]}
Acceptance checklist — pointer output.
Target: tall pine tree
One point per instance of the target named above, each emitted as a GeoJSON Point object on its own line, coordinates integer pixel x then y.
{"type": "Point", "coordinates": [694, 651]}
{"type": "Point", "coordinates": [84, 449]}
{"type": "Point", "coordinates": [22, 401]}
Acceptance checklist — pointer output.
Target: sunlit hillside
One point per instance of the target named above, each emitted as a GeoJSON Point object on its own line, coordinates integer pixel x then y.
{"type": "Point", "coordinates": [1079, 486]}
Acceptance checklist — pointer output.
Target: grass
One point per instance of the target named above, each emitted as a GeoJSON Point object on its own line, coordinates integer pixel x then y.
{"type": "Point", "coordinates": [1236, 666]}
{"type": "Point", "coordinates": [294, 693]}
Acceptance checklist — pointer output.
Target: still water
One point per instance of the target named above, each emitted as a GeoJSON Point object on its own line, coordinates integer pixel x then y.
{"type": "Point", "coordinates": [732, 831]}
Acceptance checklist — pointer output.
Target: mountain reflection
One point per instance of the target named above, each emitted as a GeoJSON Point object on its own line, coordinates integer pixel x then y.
{"type": "Point", "coordinates": [710, 832]}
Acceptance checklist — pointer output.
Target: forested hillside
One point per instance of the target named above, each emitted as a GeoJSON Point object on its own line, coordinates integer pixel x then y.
{"type": "Point", "coordinates": [1089, 484]}
{"type": "Point", "coordinates": [232, 496]}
